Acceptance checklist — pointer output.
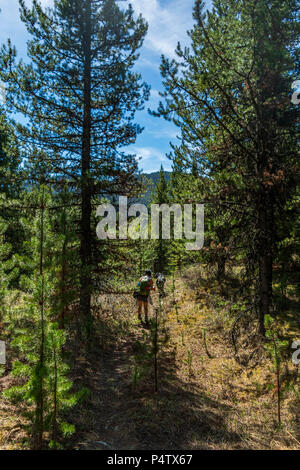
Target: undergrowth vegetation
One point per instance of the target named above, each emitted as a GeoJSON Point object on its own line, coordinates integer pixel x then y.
{"type": "Point", "coordinates": [205, 395]}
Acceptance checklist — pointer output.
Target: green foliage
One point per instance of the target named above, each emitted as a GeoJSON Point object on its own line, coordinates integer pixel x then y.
{"type": "Point", "coordinates": [149, 348]}
{"type": "Point", "coordinates": [229, 94]}
{"type": "Point", "coordinates": [160, 247]}
{"type": "Point", "coordinates": [275, 348]}
{"type": "Point", "coordinates": [37, 339]}
{"type": "Point", "coordinates": [238, 154]}
{"type": "Point", "coordinates": [78, 93]}
{"type": "Point", "coordinates": [189, 362]}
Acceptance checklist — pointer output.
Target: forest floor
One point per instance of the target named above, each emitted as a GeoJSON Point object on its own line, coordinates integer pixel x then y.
{"type": "Point", "coordinates": [205, 398]}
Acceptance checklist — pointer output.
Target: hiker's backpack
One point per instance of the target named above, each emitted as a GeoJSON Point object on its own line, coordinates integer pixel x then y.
{"type": "Point", "coordinates": [144, 285]}
{"type": "Point", "coordinates": [160, 281]}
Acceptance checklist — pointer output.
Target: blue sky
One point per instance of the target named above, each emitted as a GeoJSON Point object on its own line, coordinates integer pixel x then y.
{"type": "Point", "coordinates": [168, 22]}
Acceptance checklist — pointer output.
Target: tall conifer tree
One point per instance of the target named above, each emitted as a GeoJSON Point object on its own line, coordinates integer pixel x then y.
{"type": "Point", "coordinates": [79, 95]}
{"type": "Point", "coordinates": [161, 196]}
{"type": "Point", "coordinates": [230, 94]}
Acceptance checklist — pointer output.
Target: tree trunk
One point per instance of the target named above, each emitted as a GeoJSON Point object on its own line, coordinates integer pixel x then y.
{"type": "Point", "coordinates": [38, 430]}
{"type": "Point", "coordinates": [265, 290]}
{"type": "Point", "coordinates": [86, 208]}
{"type": "Point", "coordinates": [63, 288]}
{"type": "Point", "coordinates": [221, 269]}
{"type": "Point", "coordinates": [265, 262]}
{"type": "Point", "coordinates": [54, 412]}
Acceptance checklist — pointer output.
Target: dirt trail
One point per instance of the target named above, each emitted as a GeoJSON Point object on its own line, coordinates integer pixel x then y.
{"type": "Point", "coordinates": [180, 416]}
{"type": "Point", "coordinates": [111, 414]}
{"type": "Point", "coordinates": [108, 414]}
{"type": "Point", "coordinates": [202, 402]}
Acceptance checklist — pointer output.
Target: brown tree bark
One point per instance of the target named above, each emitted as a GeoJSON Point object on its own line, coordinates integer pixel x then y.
{"type": "Point", "coordinates": [221, 269]}
{"type": "Point", "coordinates": [86, 208]}
{"type": "Point", "coordinates": [265, 261]}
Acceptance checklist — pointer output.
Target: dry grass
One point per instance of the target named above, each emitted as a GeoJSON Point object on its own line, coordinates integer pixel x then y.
{"type": "Point", "coordinates": [243, 391]}
{"type": "Point", "coordinates": [203, 402]}
{"type": "Point", "coordinates": [12, 423]}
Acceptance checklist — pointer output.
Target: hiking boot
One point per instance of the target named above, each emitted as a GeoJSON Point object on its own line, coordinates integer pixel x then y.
{"type": "Point", "coordinates": [139, 317]}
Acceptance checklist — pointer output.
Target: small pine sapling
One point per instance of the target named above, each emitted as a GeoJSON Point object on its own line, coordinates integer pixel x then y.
{"type": "Point", "coordinates": [275, 348]}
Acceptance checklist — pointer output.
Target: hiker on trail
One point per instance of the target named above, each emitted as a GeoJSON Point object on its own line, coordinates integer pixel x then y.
{"type": "Point", "coordinates": [145, 286]}
{"type": "Point", "coordinates": [160, 284]}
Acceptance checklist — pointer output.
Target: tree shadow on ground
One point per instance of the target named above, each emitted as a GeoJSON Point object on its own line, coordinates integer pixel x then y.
{"type": "Point", "coordinates": [229, 287]}
{"type": "Point", "coordinates": [180, 415]}
{"type": "Point", "coordinates": [123, 416]}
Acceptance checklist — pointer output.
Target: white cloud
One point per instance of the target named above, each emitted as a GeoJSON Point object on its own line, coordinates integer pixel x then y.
{"type": "Point", "coordinates": [167, 24]}
{"type": "Point", "coordinates": [154, 99]}
{"type": "Point", "coordinates": [155, 94]}
{"type": "Point", "coordinates": [151, 64]}
{"type": "Point", "coordinates": [148, 153]}
{"type": "Point", "coordinates": [166, 133]}
{"type": "Point", "coordinates": [151, 159]}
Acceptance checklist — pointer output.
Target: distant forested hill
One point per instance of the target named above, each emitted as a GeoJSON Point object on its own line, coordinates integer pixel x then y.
{"type": "Point", "coordinates": [151, 180]}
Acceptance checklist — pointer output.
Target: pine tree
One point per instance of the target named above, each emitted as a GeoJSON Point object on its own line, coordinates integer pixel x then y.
{"type": "Point", "coordinates": [67, 283]}
{"type": "Point", "coordinates": [160, 246]}
{"type": "Point", "coordinates": [37, 339]}
{"type": "Point", "coordinates": [230, 95]}
{"type": "Point", "coordinates": [8, 272]}
{"type": "Point", "coordinates": [79, 95]}
{"type": "Point", "coordinates": [11, 183]}
{"type": "Point", "coordinates": [185, 187]}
